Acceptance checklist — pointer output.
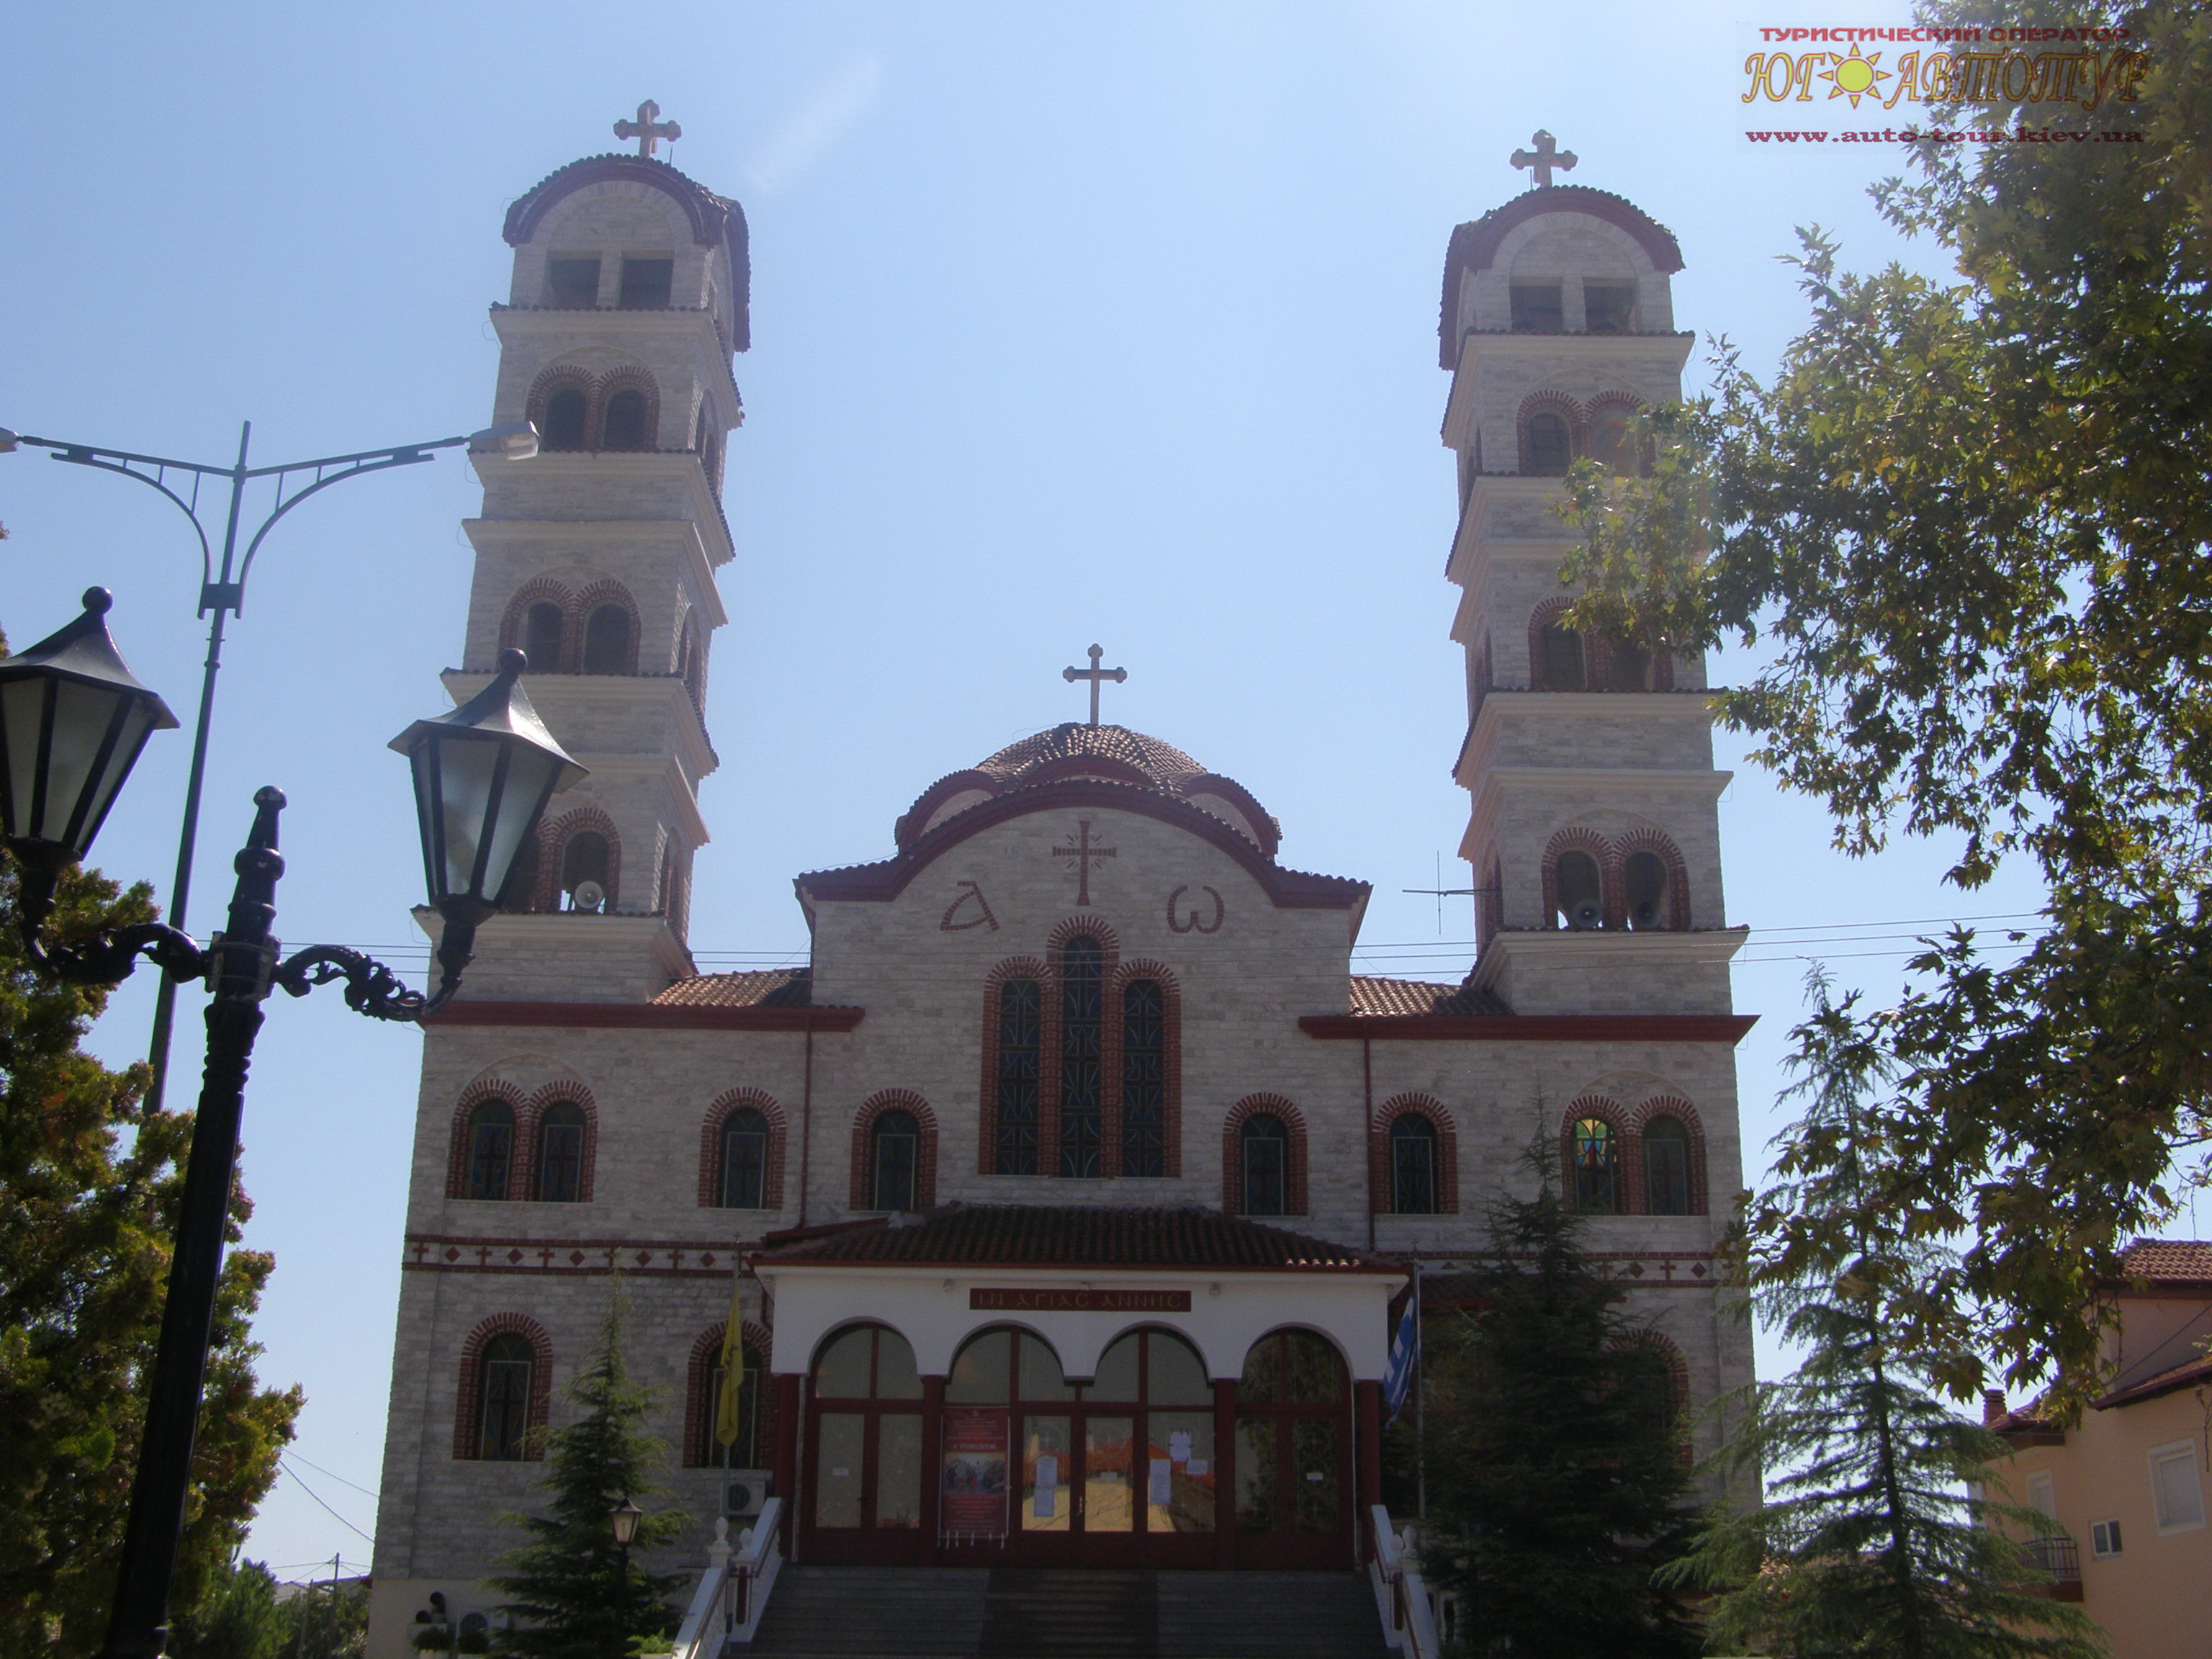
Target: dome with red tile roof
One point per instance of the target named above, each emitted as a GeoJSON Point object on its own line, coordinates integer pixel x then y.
{"type": "Point", "coordinates": [1075, 752]}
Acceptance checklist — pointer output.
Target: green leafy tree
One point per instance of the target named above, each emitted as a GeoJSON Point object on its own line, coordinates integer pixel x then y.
{"type": "Point", "coordinates": [90, 1184]}
{"type": "Point", "coordinates": [324, 1622]}
{"type": "Point", "coordinates": [575, 1594]}
{"type": "Point", "coordinates": [1874, 1539]}
{"type": "Point", "coordinates": [236, 1618]}
{"type": "Point", "coordinates": [1968, 520]}
{"type": "Point", "coordinates": [1555, 1471]}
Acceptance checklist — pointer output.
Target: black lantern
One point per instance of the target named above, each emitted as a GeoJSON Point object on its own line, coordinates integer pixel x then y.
{"type": "Point", "coordinates": [73, 719]}
{"type": "Point", "coordinates": [625, 1516]}
{"type": "Point", "coordinates": [482, 775]}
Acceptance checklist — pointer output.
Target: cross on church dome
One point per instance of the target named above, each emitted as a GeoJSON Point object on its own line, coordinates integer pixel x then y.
{"type": "Point", "coordinates": [649, 128]}
{"type": "Point", "coordinates": [1540, 161]}
{"type": "Point", "coordinates": [1095, 674]}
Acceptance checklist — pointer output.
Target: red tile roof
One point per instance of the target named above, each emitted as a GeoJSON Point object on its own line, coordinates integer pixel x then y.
{"type": "Point", "coordinates": [2169, 1261]}
{"type": "Point", "coordinates": [1475, 244]}
{"type": "Point", "coordinates": [776, 987]}
{"type": "Point", "coordinates": [1078, 1235]}
{"type": "Point", "coordinates": [2179, 1377]}
{"type": "Point", "coordinates": [1371, 995]}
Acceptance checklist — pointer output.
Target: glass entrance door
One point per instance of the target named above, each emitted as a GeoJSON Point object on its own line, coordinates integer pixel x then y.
{"type": "Point", "coordinates": [1293, 1454]}
{"type": "Point", "coordinates": [863, 1496]}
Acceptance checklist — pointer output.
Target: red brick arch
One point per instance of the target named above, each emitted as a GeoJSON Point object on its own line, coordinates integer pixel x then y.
{"type": "Point", "coordinates": [1678, 875]}
{"type": "Point", "coordinates": [700, 1451]}
{"type": "Point", "coordinates": [1628, 1169]}
{"type": "Point", "coordinates": [1378, 1151]}
{"type": "Point", "coordinates": [1232, 1162]}
{"type": "Point", "coordinates": [542, 590]}
{"type": "Point", "coordinates": [468, 1408]}
{"type": "Point", "coordinates": [1576, 840]}
{"type": "Point", "coordinates": [526, 1135]}
{"type": "Point", "coordinates": [987, 1139]}
{"type": "Point", "coordinates": [925, 1178]}
{"type": "Point", "coordinates": [1545, 614]}
{"type": "Point", "coordinates": [1682, 1112]}
{"type": "Point", "coordinates": [1678, 1383]}
{"type": "Point", "coordinates": [710, 1146]}
{"type": "Point", "coordinates": [1117, 982]}
{"type": "Point", "coordinates": [553, 838]}
{"type": "Point", "coordinates": [605, 593]}
{"type": "Point", "coordinates": [1056, 944]}
{"type": "Point", "coordinates": [630, 377]}
{"type": "Point", "coordinates": [1554, 403]}
{"type": "Point", "coordinates": [457, 1158]}
{"type": "Point", "coordinates": [564, 377]}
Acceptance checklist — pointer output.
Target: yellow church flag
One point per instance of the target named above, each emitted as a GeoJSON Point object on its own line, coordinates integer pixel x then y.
{"type": "Point", "coordinates": [733, 1371]}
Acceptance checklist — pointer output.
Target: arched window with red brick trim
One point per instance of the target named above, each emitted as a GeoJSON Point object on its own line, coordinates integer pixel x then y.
{"type": "Point", "coordinates": [1413, 1157]}
{"type": "Point", "coordinates": [1550, 427]}
{"type": "Point", "coordinates": [1654, 883]}
{"type": "Point", "coordinates": [538, 623]}
{"type": "Point", "coordinates": [756, 1438]}
{"type": "Point", "coordinates": [581, 847]}
{"type": "Point", "coordinates": [486, 1139]}
{"type": "Point", "coordinates": [1557, 654]}
{"type": "Point", "coordinates": [1596, 1153]}
{"type": "Point", "coordinates": [560, 406]}
{"type": "Point", "coordinates": [894, 1153]}
{"type": "Point", "coordinates": [561, 1149]}
{"type": "Point", "coordinates": [1263, 1158]}
{"type": "Point", "coordinates": [1671, 1145]}
{"type": "Point", "coordinates": [505, 1383]}
{"type": "Point", "coordinates": [1658, 1374]}
{"type": "Point", "coordinates": [741, 1152]}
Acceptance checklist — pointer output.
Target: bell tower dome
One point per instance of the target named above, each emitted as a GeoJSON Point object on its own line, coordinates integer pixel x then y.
{"type": "Point", "coordinates": [1593, 832]}
{"type": "Point", "coordinates": [596, 557]}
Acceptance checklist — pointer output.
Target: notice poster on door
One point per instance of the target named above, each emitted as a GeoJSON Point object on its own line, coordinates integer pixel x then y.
{"type": "Point", "coordinates": [974, 1500]}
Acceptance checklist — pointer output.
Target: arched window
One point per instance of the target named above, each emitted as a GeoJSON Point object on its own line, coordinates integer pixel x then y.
{"type": "Point", "coordinates": [1144, 1078]}
{"type": "Point", "coordinates": [507, 1372]}
{"type": "Point", "coordinates": [894, 1160]}
{"type": "Point", "coordinates": [1628, 666]}
{"type": "Point", "coordinates": [1593, 1157]}
{"type": "Point", "coordinates": [1559, 658]}
{"type": "Point", "coordinates": [1649, 903]}
{"type": "Point", "coordinates": [866, 1415]}
{"type": "Point", "coordinates": [746, 1451]}
{"type": "Point", "coordinates": [491, 1150]}
{"type": "Point", "coordinates": [567, 416]}
{"type": "Point", "coordinates": [1293, 1443]}
{"type": "Point", "coordinates": [744, 1161]}
{"type": "Point", "coordinates": [1021, 1037]}
{"type": "Point", "coordinates": [1666, 1167]}
{"type": "Point", "coordinates": [542, 628]}
{"type": "Point", "coordinates": [560, 1153]}
{"type": "Point", "coordinates": [1413, 1184]}
{"type": "Point", "coordinates": [1551, 446]}
{"type": "Point", "coordinates": [692, 665]}
{"type": "Point", "coordinates": [1082, 1057]}
{"type": "Point", "coordinates": [585, 859]}
{"type": "Point", "coordinates": [1579, 893]}
{"type": "Point", "coordinates": [606, 641]}
{"type": "Point", "coordinates": [1610, 443]}
{"type": "Point", "coordinates": [1264, 1147]}
{"type": "Point", "coordinates": [622, 427]}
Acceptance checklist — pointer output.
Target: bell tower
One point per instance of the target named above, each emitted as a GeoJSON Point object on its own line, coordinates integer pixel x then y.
{"type": "Point", "coordinates": [596, 557]}
{"type": "Point", "coordinates": [1593, 832]}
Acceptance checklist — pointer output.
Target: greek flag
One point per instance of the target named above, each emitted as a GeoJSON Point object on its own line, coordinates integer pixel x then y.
{"type": "Point", "coordinates": [1405, 1359]}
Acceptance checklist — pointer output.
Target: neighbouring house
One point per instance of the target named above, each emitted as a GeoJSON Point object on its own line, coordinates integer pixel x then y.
{"type": "Point", "coordinates": [2128, 1482]}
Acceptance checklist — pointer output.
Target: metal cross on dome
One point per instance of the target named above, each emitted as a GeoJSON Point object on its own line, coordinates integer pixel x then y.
{"type": "Point", "coordinates": [1540, 161]}
{"type": "Point", "coordinates": [648, 128]}
{"type": "Point", "coordinates": [1095, 674]}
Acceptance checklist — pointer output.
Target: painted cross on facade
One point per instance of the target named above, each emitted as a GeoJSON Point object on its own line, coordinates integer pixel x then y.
{"type": "Point", "coordinates": [649, 128]}
{"type": "Point", "coordinates": [1084, 854]}
{"type": "Point", "coordinates": [1546, 155]}
{"type": "Point", "coordinates": [1094, 674]}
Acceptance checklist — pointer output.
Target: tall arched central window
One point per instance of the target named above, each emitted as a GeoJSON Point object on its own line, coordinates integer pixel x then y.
{"type": "Point", "coordinates": [1264, 1146]}
{"type": "Point", "coordinates": [1082, 1069]}
{"type": "Point", "coordinates": [1144, 1078]}
{"type": "Point", "coordinates": [894, 1158]}
{"type": "Point", "coordinates": [507, 1371]}
{"type": "Point", "coordinates": [744, 1160]}
{"type": "Point", "coordinates": [1021, 1038]}
{"type": "Point", "coordinates": [491, 1149]}
{"type": "Point", "coordinates": [1413, 1165]}
{"type": "Point", "coordinates": [560, 1153]}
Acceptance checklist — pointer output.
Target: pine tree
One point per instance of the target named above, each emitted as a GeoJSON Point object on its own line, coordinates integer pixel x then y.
{"type": "Point", "coordinates": [238, 1618]}
{"type": "Point", "coordinates": [89, 1186]}
{"type": "Point", "coordinates": [571, 1598]}
{"type": "Point", "coordinates": [1555, 1474]}
{"type": "Point", "coordinates": [1874, 1540]}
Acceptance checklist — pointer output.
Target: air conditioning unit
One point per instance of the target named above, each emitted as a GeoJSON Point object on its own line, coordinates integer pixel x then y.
{"type": "Point", "coordinates": [746, 1492]}
{"type": "Point", "coordinates": [1586, 913]}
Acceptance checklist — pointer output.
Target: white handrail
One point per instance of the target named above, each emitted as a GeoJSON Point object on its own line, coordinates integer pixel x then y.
{"type": "Point", "coordinates": [734, 1592]}
{"type": "Point", "coordinates": [1402, 1597]}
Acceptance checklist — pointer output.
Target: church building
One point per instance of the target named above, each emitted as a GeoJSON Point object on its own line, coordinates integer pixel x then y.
{"type": "Point", "coordinates": [1071, 1189]}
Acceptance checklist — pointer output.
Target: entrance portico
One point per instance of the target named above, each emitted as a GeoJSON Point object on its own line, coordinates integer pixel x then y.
{"type": "Point", "coordinates": [1077, 1386]}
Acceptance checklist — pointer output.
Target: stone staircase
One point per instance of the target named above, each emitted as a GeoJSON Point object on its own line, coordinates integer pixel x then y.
{"type": "Point", "coordinates": [887, 1613]}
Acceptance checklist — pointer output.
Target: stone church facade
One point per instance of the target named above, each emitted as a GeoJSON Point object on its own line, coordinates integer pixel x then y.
{"type": "Point", "coordinates": [1073, 1186]}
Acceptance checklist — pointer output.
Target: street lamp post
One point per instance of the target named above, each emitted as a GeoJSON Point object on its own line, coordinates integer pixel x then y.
{"type": "Point", "coordinates": [624, 1517]}
{"type": "Point", "coordinates": [72, 722]}
{"type": "Point", "coordinates": [222, 593]}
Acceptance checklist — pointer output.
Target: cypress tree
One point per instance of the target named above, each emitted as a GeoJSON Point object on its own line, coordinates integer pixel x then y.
{"type": "Point", "coordinates": [575, 1593]}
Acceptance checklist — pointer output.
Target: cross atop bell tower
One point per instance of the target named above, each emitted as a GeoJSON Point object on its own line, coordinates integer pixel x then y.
{"type": "Point", "coordinates": [1539, 162]}
{"type": "Point", "coordinates": [649, 130]}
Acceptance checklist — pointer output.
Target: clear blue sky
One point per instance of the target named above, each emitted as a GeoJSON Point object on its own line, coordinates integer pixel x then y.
{"type": "Point", "coordinates": [1072, 323]}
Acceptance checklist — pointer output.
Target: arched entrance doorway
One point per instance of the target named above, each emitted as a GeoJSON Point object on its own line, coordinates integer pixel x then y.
{"type": "Point", "coordinates": [1294, 1476]}
{"type": "Point", "coordinates": [862, 1501]}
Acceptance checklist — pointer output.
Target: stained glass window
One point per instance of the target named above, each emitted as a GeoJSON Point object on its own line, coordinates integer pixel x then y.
{"type": "Point", "coordinates": [1021, 1026]}
{"type": "Point", "coordinates": [1596, 1155]}
{"type": "Point", "coordinates": [1082, 975]}
{"type": "Point", "coordinates": [1144, 1078]}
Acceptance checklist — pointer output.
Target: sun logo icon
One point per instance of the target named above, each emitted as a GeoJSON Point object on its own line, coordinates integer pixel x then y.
{"type": "Point", "coordinates": [1854, 77]}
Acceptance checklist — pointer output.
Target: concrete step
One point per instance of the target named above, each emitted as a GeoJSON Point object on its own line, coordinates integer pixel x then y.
{"type": "Point", "coordinates": [872, 1613]}
{"type": "Point", "coordinates": [1071, 1614]}
{"type": "Point", "coordinates": [1268, 1615]}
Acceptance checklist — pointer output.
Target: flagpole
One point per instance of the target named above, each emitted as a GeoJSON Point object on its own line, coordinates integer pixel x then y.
{"type": "Point", "coordinates": [1420, 1412]}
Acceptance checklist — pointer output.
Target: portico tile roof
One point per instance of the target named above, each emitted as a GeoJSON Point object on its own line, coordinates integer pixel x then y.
{"type": "Point", "coordinates": [2170, 1260]}
{"type": "Point", "coordinates": [775, 987]}
{"type": "Point", "coordinates": [1075, 1236]}
{"type": "Point", "coordinates": [1371, 995]}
